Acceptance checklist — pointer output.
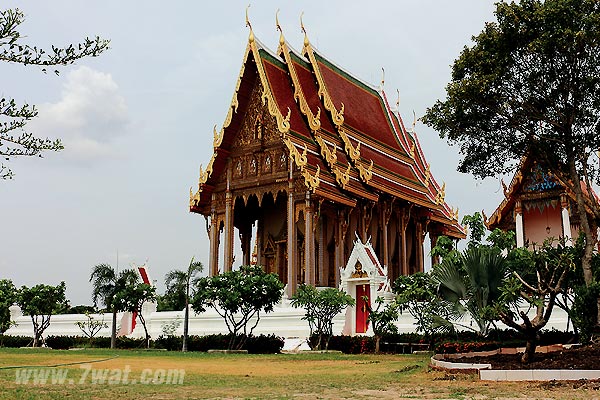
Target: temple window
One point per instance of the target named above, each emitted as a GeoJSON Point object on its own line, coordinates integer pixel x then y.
{"type": "Point", "coordinates": [268, 163]}
{"type": "Point", "coordinates": [252, 169]}
{"type": "Point", "coordinates": [238, 169]}
{"type": "Point", "coordinates": [283, 161]}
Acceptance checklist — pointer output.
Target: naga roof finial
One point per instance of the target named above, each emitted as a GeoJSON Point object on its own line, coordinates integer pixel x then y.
{"type": "Point", "coordinates": [277, 21]}
{"type": "Point", "coordinates": [382, 77]}
{"type": "Point", "coordinates": [303, 29]}
{"type": "Point", "coordinates": [398, 100]}
{"type": "Point", "coordinates": [248, 24]}
{"type": "Point", "coordinates": [281, 38]}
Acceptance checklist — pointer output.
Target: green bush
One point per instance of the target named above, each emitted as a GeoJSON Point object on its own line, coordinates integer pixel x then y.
{"type": "Point", "coordinates": [261, 344]}
{"type": "Point", "coordinates": [351, 344]}
{"type": "Point", "coordinates": [62, 342]}
{"type": "Point", "coordinates": [585, 310]}
{"type": "Point", "coordinates": [15, 341]}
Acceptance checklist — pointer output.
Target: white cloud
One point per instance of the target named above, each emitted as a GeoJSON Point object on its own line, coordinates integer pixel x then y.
{"type": "Point", "coordinates": [89, 116]}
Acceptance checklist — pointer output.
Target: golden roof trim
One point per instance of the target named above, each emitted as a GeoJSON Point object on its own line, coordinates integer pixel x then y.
{"type": "Point", "coordinates": [312, 181]}
{"type": "Point", "coordinates": [314, 121]}
{"type": "Point", "coordinates": [336, 115]}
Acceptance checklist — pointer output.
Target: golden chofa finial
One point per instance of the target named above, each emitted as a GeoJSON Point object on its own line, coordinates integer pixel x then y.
{"type": "Point", "coordinates": [249, 25]}
{"type": "Point", "coordinates": [281, 38]}
{"type": "Point", "coordinates": [382, 77]}
{"type": "Point", "coordinates": [277, 21]}
{"type": "Point", "coordinates": [398, 100]}
{"type": "Point", "coordinates": [303, 30]}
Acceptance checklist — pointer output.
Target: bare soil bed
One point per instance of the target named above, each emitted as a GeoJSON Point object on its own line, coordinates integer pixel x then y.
{"type": "Point", "coordinates": [585, 357]}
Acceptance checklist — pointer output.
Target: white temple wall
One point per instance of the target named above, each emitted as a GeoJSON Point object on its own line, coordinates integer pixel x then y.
{"type": "Point", "coordinates": [284, 321]}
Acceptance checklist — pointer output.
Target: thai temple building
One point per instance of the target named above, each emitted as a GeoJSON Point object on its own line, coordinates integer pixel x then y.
{"type": "Point", "coordinates": [536, 207]}
{"type": "Point", "coordinates": [309, 160]}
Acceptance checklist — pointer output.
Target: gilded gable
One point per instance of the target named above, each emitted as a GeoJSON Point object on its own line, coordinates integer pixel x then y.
{"type": "Point", "coordinates": [258, 126]}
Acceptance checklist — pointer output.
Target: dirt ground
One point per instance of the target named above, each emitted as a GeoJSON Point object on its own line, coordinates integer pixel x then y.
{"type": "Point", "coordinates": [585, 357]}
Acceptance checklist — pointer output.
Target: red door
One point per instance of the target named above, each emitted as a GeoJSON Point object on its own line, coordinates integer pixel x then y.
{"type": "Point", "coordinates": [362, 311]}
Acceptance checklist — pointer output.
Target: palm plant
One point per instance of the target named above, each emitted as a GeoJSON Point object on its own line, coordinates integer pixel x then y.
{"type": "Point", "coordinates": [473, 283]}
{"type": "Point", "coordinates": [178, 285]}
{"type": "Point", "coordinates": [106, 284]}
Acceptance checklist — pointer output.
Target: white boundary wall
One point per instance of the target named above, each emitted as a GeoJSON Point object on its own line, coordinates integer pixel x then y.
{"type": "Point", "coordinates": [284, 321]}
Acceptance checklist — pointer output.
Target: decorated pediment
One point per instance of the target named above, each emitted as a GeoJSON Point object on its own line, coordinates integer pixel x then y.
{"type": "Point", "coordinates": [364, 265]}
{"type": "Point", "coordinates": [538, 180]}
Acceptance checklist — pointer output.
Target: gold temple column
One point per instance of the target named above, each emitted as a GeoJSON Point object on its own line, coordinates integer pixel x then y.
{"type": "Point", "coordinates": [309, 243]}
{"type": "Point", "coordinates": [386, 213]}
{"type": "Point", "coordinates": [339, 236]}
{"type": "Point", "coordinates": [420, 238]}
{"type": "Point", "coordinates": [403, 219]}
{"type": "Point", "coordinates": [260, 236]}
{"type": "Point", "coordinates": [213, 268]}
{"type": "Point", "coordinates": [292, 271]}
{"type": "Point", "coordinates": [322, 271]}
{"type": "Point", "coordinates": [228, 263]}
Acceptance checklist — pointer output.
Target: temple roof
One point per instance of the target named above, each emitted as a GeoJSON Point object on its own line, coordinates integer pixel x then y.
{"type": "Point", "coordinates": [340, 132]}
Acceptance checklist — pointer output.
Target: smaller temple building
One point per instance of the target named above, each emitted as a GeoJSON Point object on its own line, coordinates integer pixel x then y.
{"type": "Point", "coordinates": [536, 207]}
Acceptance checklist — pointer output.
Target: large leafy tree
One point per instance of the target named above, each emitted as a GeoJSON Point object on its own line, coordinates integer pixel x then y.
{"type": "Point", "coordinates": [239, 297]}
{"type": "Point", "coordinates": [8, 296]}
{"type": "Point", "coordinates": [177, 293]}
{"type": "Point", "coordinates": [14, 139]}
{"type": "Point", "coordinates": [530, 85]}
{"type": "Point", "coordinates": [107, 283]}
{"type": "Point", "coordinates": [40, 302]}
{"type": "Point", "coordinates": [321, 306]}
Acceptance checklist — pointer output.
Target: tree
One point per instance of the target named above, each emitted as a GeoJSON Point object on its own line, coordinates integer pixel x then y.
{"type": "Point", "coordinates": [476, 228]}
{"type": "Point", "coordinates": [473, 284]}
{"type": "Point", "coordinates": [15, 141]}
{"type": "Point", "coordinates": [238, 297]}
{"type": "Point", "coordinates": [178, 285]}
{"type": "Point", "coordinates": [106, 284]}
{"type": "Point", "coordinates": [417, 294]}
{"type": "Point", "coordinates": [530, 85]}
{"type": "Point", "coordinates": [40, 302]}
{"type": "Point", "coordinates": [132, 298]}
{"type": "Point", "coordinates": [91, 326]}
{"type": "Point", "coordinates": [445, 247]}
{"type": "Point", "coordinates": [382, 321]}
{"type": "Point", "coordinates": [536, 279]}
{"type": "Point", "coordinates": [321, 307]}
{"type": "Point", "coordinates": [8, 296]}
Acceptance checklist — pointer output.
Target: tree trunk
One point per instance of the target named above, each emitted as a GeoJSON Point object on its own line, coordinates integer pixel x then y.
{"type": "Point", "coordinates": [113, 333]}
{"type": "Point", "coordinates": [186, 321]}
{"type": "Point", "coordinates": [586, 227]}
{"type": "Point", "coordinates": [529, 350]}
{"type": "Point", "coordinates": [36, 334]}
{"type": "Point", "coordinates": [377, 340]}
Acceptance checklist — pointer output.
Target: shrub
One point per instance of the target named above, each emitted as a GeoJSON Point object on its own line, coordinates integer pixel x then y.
{"type": "Point", "coordinates": [261, 344]}
{"type": "Point", "coordinates": [15, 341]}
{"type": "Point", "coordinates": [351, 344]}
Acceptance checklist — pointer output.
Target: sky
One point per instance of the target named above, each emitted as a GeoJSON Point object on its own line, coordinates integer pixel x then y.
{"type": "Point", "coordinates": [137, 121]}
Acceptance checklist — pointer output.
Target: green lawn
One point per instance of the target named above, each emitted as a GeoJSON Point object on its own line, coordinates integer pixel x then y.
{"type": "Point", "coordinates": [105, 374]}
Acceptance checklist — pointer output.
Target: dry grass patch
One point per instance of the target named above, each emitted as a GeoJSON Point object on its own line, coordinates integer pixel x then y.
{"type": "Point", "coordinates": [280, 376]}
